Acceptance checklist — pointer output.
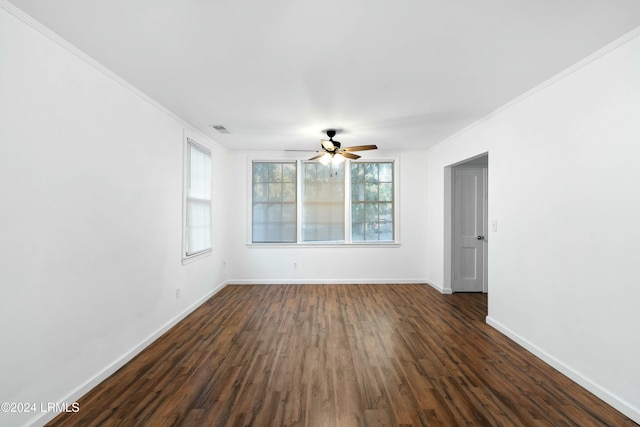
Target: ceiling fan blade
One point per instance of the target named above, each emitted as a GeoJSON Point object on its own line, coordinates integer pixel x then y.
{"type": "Point", "coordinates": [361, 148]}
{"type": "Point", "coordinates": [317, 157]}
{"type": "Point", "coordinates": [349, 155]}
{"type": "Point", "coordinates": [328, 145]}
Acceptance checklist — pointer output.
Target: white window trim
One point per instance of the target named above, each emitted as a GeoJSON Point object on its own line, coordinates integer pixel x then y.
{"type": "Point", "coordinates": [187, 259]}
{"type": "Point", "coordinates": [250, 200]}
{"type": "Point", "coordinates": [396, 185]}
{"type": "Point", "coordinates": [347, 243]}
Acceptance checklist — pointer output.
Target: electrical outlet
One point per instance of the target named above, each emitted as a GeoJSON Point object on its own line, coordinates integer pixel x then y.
{"type": "Point", "coordinates": [177, 293]}
{"type": "Point", "coordinates": [295, 264]}
{"type": "Point", "coordinates": [224, 264]}
{"type": "Point", "coordinates": [494, 225]}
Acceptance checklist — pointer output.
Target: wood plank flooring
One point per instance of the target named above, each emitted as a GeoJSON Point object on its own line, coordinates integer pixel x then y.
{"type": "Point", "coordinates": [338, 355]}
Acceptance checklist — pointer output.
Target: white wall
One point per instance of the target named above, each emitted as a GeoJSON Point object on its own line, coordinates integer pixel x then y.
{"type": "Point", "coordinates": [335, 264]}
{"type": "Point", "coordinates": [90, 221]}
{"type": "Point", "coordinates": [564, 186]}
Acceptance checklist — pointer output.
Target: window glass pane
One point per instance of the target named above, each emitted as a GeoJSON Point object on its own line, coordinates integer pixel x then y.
{"type": "Point", "coordinates": [274, 213]}
{"type": "Point", "coordinates": [357, 231]}
{"type": "Point", "coordinates": [260, 172]}
{"type": "Point", "coordinates": [308, 217]}
{"type": "Point", "coordinates": [199, 174]}
{"type": "Point", "coordinates": [337, 213]}
{"type": "Point", "coordinates": [357, 212]}
{"type": "Point", "coordinates": [289, 172]}
{"type": "Point", "coordinates": [372, 201]}
{"type": "Point", "coordinates": [309, 171]}
{"type": "Point", "coordinates": [371, 172]}
{"type": "Point", "coordinates": [260, 192]}
{"type": "Point", "coordinates": [386, 172]}
{"type": "Point", "coordinates": [274, 202]}
{"type": "Point", "coordinates": [371, 192]}
{"type": "Point", "coordinates": [322, 232]}
{"type": "Point", "coordinates": [275, 172]}
{"type": "Point", "coordinates": [275, 192]}
{"type": "Point", "coordinates": [289, 192]}
{"type": "Point", "coordinates": [371, 231]}
{"type": "Point", "coordinates": [274, 232]}
{"type": "Point", "coordinates": [357, 172]}
{"type": "Point", "coordinates": [357, 191]}
{"type": "Point", "coordinates": [259, 213]}
{"type": "Point", "coordinates": [336, 233]}
{"type": "Point", "coordinates": [289, 232]}
{"type": "Point", "coordinates": [386, 192]}
{"type": "Point", "coordinates": [259, 232]}
{"type": "Point", "coordinates": [199, 226]}
{"type": "Point", "coordinates": [385, 212]}
{"type": "Point", "coordinates": [289, 212]}
{"type": "Point", "coordinates": [323, 202]}
{"type": "Point", "coordinates": [371, 212]}
{"type": "Point", "coordinates": [385, 230]}
{"type": "Point", "coordinates": [309, 231]}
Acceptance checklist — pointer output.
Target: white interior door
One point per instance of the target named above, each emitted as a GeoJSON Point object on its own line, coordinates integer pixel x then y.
{"type": "Point", "coordinates": [469, 244]}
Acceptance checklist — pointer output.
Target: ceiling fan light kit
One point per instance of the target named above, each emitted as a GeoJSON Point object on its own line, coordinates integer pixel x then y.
{"type": "Point", "coordinates": [327, 158]}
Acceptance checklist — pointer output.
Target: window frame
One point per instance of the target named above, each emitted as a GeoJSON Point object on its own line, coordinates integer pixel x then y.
{"type": "Point", "coordinates": [303, 186]}
{"type": "Point", "coordinates": [381, 158]}
{"type": "Point", "coordinates": [370, 202]}
{"type": "Point", "coordinates": [190, 257]}
{"type": "Point", "coordinates": [252, 203]}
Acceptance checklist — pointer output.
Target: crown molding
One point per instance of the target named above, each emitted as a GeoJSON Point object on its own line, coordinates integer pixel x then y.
{"type": "Point", "coordinates": [558, 77]}
{"type": "Point", "coordinates": [45, 31]}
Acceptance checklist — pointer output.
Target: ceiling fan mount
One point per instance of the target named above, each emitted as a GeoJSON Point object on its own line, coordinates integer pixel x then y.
{"type": "Point", "coordinates": [330, 146]}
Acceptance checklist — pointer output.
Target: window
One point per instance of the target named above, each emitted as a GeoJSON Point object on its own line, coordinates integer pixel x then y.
{"type": "Point", "coordinates": [372, 201]}
{"type": "Point", "coordinates": [274, 202]}
{"type": "Point", "coordinates": [348, 202]}
{"type": "Point", "coordinates": [323, 202]}
{"type": "Point", "coordinates": [197, 199]}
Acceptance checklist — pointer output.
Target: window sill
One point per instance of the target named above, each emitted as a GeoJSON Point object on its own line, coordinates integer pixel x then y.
{"type": "Point", "coordinates": [326, 245]}
{"type": "Point", "coordinates": [191, 258]}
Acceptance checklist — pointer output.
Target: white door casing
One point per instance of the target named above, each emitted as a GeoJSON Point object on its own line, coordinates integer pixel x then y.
{"type": "Point", "coordinates": [469, 229]}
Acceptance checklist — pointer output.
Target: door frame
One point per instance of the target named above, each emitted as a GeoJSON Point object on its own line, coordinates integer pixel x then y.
{"type": "Point", "coordinates": [448, 221]}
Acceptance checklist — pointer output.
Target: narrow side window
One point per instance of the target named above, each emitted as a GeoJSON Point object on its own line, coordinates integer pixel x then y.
{"type": "Point", "coordinates": [197, 199]}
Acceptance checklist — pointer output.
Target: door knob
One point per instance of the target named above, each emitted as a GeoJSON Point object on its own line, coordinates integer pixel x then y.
{"type": "Point", "coordinates": [480, 237]}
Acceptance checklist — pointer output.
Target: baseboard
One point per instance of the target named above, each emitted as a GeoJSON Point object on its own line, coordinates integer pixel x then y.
{"type": "Point", "coordinates": [602, 393]}
{"type": "Point", "coordinates": [441, 289]}
{"type": "Point", "coordinates": [81, 390]}
{"type": "Point", "coordinates": [338, 281]}
{"type": "Point", "coordinates": [326, 282]}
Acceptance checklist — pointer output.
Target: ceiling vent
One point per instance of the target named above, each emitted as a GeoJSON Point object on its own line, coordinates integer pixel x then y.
{"type": "Point", "coordinates": [220, 128]}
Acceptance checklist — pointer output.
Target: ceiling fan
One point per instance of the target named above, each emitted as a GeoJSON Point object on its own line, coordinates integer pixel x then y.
{"type": "Point", "coordinates": [333, 152]}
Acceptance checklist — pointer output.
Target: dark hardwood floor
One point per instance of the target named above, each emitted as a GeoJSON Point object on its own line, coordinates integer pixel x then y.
{"type": "Point", "coordinates": [338, 355]}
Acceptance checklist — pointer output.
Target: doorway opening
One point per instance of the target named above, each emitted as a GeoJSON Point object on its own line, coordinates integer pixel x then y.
{"type": "Point", "coordinates": [466, 226]}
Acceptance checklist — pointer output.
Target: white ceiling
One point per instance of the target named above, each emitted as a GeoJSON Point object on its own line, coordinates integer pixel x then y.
{"type": "Point", "coordinates": [402, 74]}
